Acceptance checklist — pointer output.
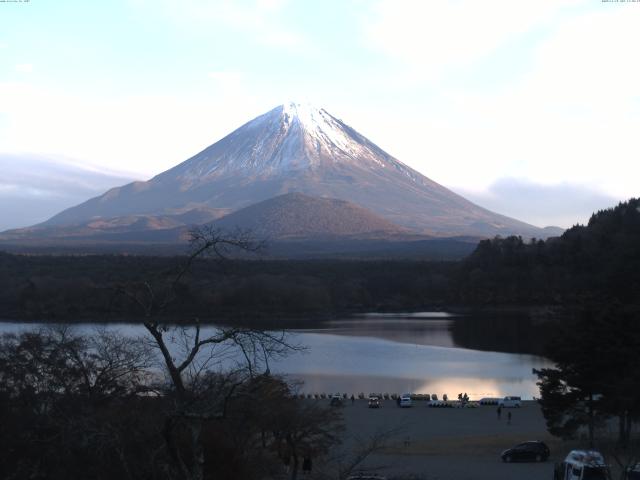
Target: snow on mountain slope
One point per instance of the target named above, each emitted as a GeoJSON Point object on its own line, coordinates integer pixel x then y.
{"type": "Point", "coordinates": [299, 148]}
{"type": "Point", "coordinates": [287, 139]}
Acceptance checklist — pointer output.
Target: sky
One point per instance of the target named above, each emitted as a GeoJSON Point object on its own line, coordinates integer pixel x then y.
{"type": "Point", "coordinates": [530, 108]}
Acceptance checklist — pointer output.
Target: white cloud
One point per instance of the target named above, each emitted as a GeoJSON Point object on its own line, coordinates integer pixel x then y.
{"type": "Point", "coordinates": [24, 68]}
{"type": "Point", "coordinates": [271, 4]}
{"type": "Point", "coordinates": [430, 37]}
{"type": "Point", "coordinates": [589, 63]}
{"type": "Point", "coordinates": [572, 118]}
{"type": "Point", "coordinates": [139, 134]}
{"type": "Point", "coordinates": [259, 20]}
{"type": "Point", "coordinates": [560, 204]}
{"type": "Point", "coordinates": [226, 77]}
{"type": "Point", "coordinates": [228, 84]}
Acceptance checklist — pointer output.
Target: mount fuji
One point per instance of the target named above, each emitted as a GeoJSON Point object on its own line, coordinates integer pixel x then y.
{"type": "Point", "coordinates": [294, 148]}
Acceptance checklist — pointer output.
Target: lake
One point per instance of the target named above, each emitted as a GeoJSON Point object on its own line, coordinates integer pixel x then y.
{"type": "Point", "coordinates": [426, 352]}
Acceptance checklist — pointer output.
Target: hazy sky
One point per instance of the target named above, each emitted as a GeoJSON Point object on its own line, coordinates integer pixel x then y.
{"type": "Point", "coordinates": [513, 103]}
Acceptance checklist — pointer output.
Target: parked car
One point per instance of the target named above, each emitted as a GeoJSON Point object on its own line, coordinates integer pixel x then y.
{"type": "Point", "coordinates": [582, 465]}
{"type": "Point", "coordinates": [489, 401]}
{"type": "Point", "coordinates": [405, 401]}
{"type": "Point", "coordinates": [465, 404]}
{"type": "Point", "coordinates": [510, 402]}
{"type": "Point", "coordinates": [374, 402]}
{"type": "Point", "coordinates": [366, 476]}
{"type": "Point", "coordinates": [533, 451]}
{"type": "Point", "coordinates": [633, 473]}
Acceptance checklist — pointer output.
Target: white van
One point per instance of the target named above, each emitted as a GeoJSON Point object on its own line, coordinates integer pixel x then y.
{"type": "Point", "coordinates": [582, 465]}
{"type": "Point", "coordinates": [405, 401]}
{"type": "Point", "coordinates": [510, 402]}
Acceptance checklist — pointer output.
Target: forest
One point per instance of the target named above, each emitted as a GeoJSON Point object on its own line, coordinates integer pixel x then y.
{"type": "Point", "coordinates": [597, 260]}
{"type": "Point", "coordinates": [84, 288]}
{"type": "Point", "coordinates": [600, 260]}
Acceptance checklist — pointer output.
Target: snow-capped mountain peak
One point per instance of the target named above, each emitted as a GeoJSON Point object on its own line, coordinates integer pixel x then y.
{"type": "Point", "coordinates": [322, 130]}
{"type": "Point", "coordinates": [311, 118]}
{"type": "Point", "coordinates": [292, 137]}
{"type": "Point", "coordinates": [297, 147]}
{"type": "Point", "coordinates": [308, 115]}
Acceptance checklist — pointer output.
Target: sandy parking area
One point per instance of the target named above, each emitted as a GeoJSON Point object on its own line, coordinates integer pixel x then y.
{"type": "Point", "coordinates": [456, 444]}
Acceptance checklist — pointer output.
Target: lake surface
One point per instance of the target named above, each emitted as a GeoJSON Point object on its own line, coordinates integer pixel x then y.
{"type": "Point", "coordinates": [394, 353]}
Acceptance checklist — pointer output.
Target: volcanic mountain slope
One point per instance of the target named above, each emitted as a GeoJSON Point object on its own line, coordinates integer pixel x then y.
{"type": "Point", "coordinates": [126, 227]}
{"type": "Point", "coordinates": [303, 149]}
{"type": "Point", "coordinates": [295, 215]}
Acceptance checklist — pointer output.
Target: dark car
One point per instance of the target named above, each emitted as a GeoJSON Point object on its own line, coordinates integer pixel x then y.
{"type": "Point", "coordinates": [533, 451]}
{"type": "Point", "coordinates": [374, 402]}
{"type": "Point", "coordinates": [366, 476]}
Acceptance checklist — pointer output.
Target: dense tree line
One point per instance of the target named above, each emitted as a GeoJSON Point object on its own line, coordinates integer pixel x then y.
{"type": "Point", "coordinates": [593, 389]}
{"type": "Point", "coordinates": [591, 272]}
{"type": "Point", "coordinates": [72, 288]}
{"type": "Point", "coordinates": [598, 260]}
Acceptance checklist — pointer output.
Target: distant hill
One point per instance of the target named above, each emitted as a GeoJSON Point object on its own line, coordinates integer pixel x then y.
{"type": "Point", "coordinates": [130, 228]}
{"type": "Point", "coordinates": [298, 216]}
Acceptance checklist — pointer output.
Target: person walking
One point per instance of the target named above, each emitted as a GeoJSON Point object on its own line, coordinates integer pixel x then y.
{"type": "Point", "coordinates": [509, 418]}
{"type": "Point", "coordinates": [499, 411]}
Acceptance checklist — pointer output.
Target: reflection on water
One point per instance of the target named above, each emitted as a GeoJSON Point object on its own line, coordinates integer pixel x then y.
{"type": "Point", "coordinates": [421, 353]}
{"type": "Point", "coordinates": [474, 387]}
{"type": "Point", "coordinates": [504, 333]}
{"type": "Point", "coordinates": [352, 364]}
{"type": "Point", "coordinates": [397, 315]}
{"type": "Point", "coordinates": [402, 330]}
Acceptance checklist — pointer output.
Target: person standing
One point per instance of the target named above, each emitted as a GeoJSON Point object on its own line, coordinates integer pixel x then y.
{"type": "Point", "coordinates": [499, 411]}
{"type": "Point", "coordinates": [306, 465]}
{"type": "Point", "coordinates": [509, 418]}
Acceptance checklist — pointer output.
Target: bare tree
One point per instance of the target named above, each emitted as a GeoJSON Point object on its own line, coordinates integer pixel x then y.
{"type": "Point", "coordinates": [305, 429]}
{"type": "Point", "coordinates": [188, 353]}
{"type": "Point", "coordinates": [626, 456]}
{"type": "Point", "coordinates": [364, 448]}
{"type": "Point", "coordinates": [62, 396]}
